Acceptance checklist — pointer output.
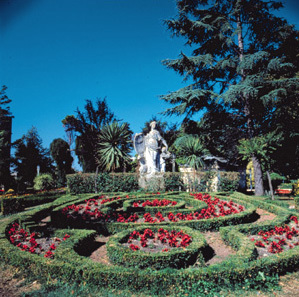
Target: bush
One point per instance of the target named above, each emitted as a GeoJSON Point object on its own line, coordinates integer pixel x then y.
{"type": "Point", "coordinates": [229, 181]}
{"type": "Point", "coordinates": [43, 182]}
{"type": "Point", "coordinates": [19, 203]}
{"type": "Point", "coordinates": [173, 182]}
{"type": "Point", "coordinates": [104, 182]}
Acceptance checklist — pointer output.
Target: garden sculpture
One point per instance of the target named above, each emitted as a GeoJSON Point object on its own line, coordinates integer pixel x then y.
{"type": "Point", "coordinates": [151, 154]}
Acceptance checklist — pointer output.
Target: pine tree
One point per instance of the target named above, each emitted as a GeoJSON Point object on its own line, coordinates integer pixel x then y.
{"type": "Point", "coordinates": [243, 58]}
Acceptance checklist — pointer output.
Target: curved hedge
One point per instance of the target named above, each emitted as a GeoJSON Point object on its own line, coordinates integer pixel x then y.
{"type": "Point", "coordinates": [68, 265]}
{"type": "Point", "coordinates": [175, 258]}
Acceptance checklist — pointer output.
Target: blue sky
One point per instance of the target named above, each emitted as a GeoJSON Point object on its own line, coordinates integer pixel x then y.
{"type": "Point", "coordinates": [56, 53]}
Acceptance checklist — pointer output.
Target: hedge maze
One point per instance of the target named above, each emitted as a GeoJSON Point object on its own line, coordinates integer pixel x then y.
{"type": "Point", "coordinates": [156, 241]}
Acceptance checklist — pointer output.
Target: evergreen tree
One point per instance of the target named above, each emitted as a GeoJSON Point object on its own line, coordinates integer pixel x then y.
{"type": "Point", "coordinates": [87, 125]}
{"type": "Point", "coordinates": [29, 154]}
{"type": "Point", "coordinates": [5, 138]}
{"type": "Point", "coordinates": [243, 58]}
{"type": "Point", "coordinates": [61, 154]}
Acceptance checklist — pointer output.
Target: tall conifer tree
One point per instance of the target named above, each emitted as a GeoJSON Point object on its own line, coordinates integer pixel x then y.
{"type": "Point", "coordinates": [5, 138]}
{"type": "Point", "coordinates": [243, 58]}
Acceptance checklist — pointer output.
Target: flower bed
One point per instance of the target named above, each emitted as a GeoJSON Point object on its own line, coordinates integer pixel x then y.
{"type": "Point", "coordinates": [32, 242]}
{"type": "Point", "coordinates": [68, 265]}
{"type": "Point", "coordinates": [163, 240]}
{"type": "Point", "coordinates": [154, 203]}
{"type": "Point", "coordinates": [278, 239]}
{"type": "Point", "coordinates": [215, 208]}
{"type": "Point", "coordinates": [157, 248]}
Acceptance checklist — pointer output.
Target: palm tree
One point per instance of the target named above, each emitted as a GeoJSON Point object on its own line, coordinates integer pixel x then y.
{"type": "Point", "coordinates": [191, 150]}
{"type": "Point", "coordinates": [114, 146]}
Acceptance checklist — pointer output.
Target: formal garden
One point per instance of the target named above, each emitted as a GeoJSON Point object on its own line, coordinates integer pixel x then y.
{"type": "Point", "coordinates": [205, 206]}
{"type": "Point", "coordinates": [170, 243]}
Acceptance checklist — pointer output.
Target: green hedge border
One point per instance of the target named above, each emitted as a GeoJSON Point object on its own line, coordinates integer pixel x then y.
{"type": "Point", "coordinates": [175, 258]}
{"type": "Point", "coordinates": [69, 266]}
{"type": "Point", "coordinates": [245, 216]}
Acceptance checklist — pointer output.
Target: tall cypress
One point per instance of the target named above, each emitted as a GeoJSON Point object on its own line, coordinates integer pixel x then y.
{"type": "Point", "coordinates": [243, 58]}
{"type": "Point", "coordinates": [5, 138]}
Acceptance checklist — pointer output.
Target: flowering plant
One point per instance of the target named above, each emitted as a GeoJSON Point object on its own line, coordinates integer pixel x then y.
{"type": "Point", "coordinates": [278, 239]}
{"type": "Point", "coordinates": [32, 242]}
{"type": "Point", "coordinates": [163, 240]}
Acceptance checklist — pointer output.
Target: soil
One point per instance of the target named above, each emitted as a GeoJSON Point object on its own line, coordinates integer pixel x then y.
{"type": "Point", "coordinates": [264, 216]}
{"type": "Point", "coordinates": [13, 284]}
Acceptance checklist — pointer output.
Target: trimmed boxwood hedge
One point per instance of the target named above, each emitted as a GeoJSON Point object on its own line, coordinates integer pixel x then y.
{"type": "Point", "coordinates": [18, 204]}
{"type": "Point", "coordinates": [245, 216]}
{"type": "Point", "coordinates": [68, 265]}
{"type": "Point", "coordinates": [114, 182]}
{"type": "Point", "coordinates": [175, 258]}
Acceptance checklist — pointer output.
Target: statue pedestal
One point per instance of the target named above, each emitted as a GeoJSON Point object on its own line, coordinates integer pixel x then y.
{"type": "Point", "coordinates": [152, 182]}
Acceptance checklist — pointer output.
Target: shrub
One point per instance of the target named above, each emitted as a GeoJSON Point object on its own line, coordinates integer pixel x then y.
{"type": "Point", "coordinates": [103, 182]}
{"type": "Point", "coordinates": [296, 188]}
{"type": "Point", "coordinates": [43, 182]}
{"type": "Point", "coordinates": [229, 181]}
{"type": "Point", "coordinates": [173, 182]}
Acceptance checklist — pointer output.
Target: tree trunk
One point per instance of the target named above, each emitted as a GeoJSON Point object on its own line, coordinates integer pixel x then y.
{"type": "Point", "coordinates": [258, 177]}
{"type": "Point", "coordinates": [270, 185]}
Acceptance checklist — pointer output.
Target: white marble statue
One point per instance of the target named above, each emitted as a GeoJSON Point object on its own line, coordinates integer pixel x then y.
{"type": "Point", "coordinates": [150, 154]}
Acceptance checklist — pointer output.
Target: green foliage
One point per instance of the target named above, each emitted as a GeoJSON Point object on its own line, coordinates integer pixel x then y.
{"type": "Point", "coordinates": [117, 182]}
{"type": "Point", "coordinates": [191, 150]}
{"type": "Point", "coordinates": [260, 146]}
{"type": "Point", "coordinates": [114, 146]}
{"type": "Point", "coordinates": [229, 181]}
{"type": "Point", "coordinates": [241, 71]}
{"type": "Point", "coordinates": [60, 152]}
{"type": "Point", "coordinates": [19, 203]}
{"type": "Point", "coordinates": [29, 153]}
{"type": "Point", "coordinates": [43, 182]}
{"type": "Point", "coordinates": [86, 126]}
{"type": "Point", "coordinates": [176, 258]}
{"type": "Point", "coordinates": [5, 138]}
{"type": "Point", "coordinates": [173, 182]}
{"type": "Point", "coordinates": [240, 270]}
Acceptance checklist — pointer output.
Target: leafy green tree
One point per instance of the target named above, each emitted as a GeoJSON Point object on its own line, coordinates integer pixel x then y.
{"type": "Point", "coordinates": [5, 138]}
{"type": "Point", "coordinates": [260, 147]}
{"type": "Point", "coordinates": [191, 151]}
{"type": "Point", "coordinates": [87, 125]}
{"type": "Point", "coordinates": [61, 154]}
{"type": "Point", "coordinates": [243, 58]}
{"type": "Point", "coordinates": [114, 146]}
{"type": "Point", "coordinates": [29, 154]}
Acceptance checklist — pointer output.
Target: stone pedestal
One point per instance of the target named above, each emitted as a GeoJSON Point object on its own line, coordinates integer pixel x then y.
{"type": "Point", "coordinates": [152, 182]}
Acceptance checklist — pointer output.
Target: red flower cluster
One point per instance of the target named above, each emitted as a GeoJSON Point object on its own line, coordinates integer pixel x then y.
{"type": "Point", "coordinates": [275, 239]}
{"type": "Point", "coordinates": [295, 219]}
{"type": "Point", "coordinates": [216, 208]}
{"type": "Point", "coordinates": [154, 203]}
{"type": "Point", "coordinates": [171, 239]}
{"type": "Point", "coordinates": [28, 242]}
